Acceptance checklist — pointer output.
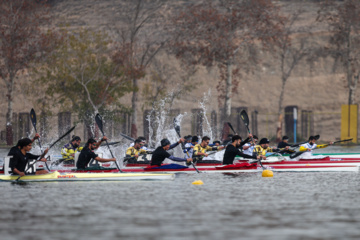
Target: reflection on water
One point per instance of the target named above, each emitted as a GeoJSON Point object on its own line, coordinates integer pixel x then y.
{"type": "Point", "coordinates": [227, 206]}
{"type": "Point", "coordinates": [242, 206]}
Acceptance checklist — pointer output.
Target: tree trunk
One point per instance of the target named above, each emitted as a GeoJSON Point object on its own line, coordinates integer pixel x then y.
{"type": "Point", "coordinates": [228, 89]}
{"type": "Point", "coordinates": [134, 105]}
{"type": "Point", "coordinates": [9, 115]}
{"type": "Point", "coordinates": [280, 115]}
{"type": "Point", "coordinates": [352, 89]}
{"type": "Point", "coordinates": [279, 128]}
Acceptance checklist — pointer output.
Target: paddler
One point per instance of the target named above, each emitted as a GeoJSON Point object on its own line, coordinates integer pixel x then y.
{"type": "Point", "coordinates": [87, 153]}
{"type": "Point", "coordinates": [132, 153]}
{"type": "Point", "coordinates": [200, 149]}
{"type": "Point", "coordinates": [311, 145]}
{"type": "Point", "coordinates": [284, 145]}
{"type": "Point", "coordinates": [248, 147]}
{"type": "Point", "coordinates": [160, 153]}
{"type": "Point", "coordinates": [21, 157]}
{"type": "Point", "coordinates": [263, 147]}
{"type": "Point", "coordinates": [16, 148]}
{"type": "Point", "coordinates": [189, 147]}
{"type": "Point", "coordinates": [232, 150]}
{"type": "Point", "coordinates": [68, 151]}
{"type": "Point", "coordinates": [143, 143]}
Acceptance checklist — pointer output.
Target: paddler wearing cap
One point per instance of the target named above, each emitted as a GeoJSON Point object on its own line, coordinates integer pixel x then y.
{"type": "Point", "coordinates": [284, 145]}
{"type": "Point", "coordinates": [263, 147]}
{"type": "Point", "coordinates": [200, 149]}
{"type": "Point", "coordinates": [160, 153]}
{"type": "Point", "coordinates": [232, 150]}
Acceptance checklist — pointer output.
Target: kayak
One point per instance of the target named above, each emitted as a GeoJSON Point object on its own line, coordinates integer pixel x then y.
{"type": "Point", "coordinates": [66, 177]}
{"type": "Point", "coordinates": [246, 167]}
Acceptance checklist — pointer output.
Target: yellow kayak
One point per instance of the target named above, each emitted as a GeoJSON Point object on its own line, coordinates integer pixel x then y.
{"type": "Point", "coordinates": [60, 177]}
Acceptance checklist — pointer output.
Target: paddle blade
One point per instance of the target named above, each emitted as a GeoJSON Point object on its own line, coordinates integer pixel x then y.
{"type": "Point", "coordinates": [99, 122]}
{"type": "Point", "coordinates": [296, 154]}
{"type": "Point", "coordinates": [33, 117]}
{"type": "Point", "coordinates": [69, 131]}
{"type": "Point", "coordinates": [244, 116]}
{"type": "Point", "coordinates": [177, 127]}
{"type": "Point", "coordinates": [127, 137]}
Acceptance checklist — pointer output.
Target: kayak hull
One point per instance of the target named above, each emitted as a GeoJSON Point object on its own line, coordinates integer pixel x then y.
{"type": "Point", "coordinates": [66, 177]}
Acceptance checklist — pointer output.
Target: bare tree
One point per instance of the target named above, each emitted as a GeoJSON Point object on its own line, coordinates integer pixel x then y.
{"type": "Point", "coordinates": [21, 43]}
{"type": "Point", "coordinates": [224, 34]}
{"type": "Point", "coordinates": [343, 18]}
{"type": "Point", "coordinates": [140, 30]}
{"type": "Point", "coordinates": [290, 50]}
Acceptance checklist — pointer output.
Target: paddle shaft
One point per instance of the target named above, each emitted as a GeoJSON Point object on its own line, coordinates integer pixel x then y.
{"type": "Point", "coordinates": [177, 130]}
{"type": "Point", "coordinates": [98, 120]}
{"type": "Point", "coordinates": [112, 155]}
{"type": "Point", "coordinates": [127, 137]}
{"type": "Point", "coordinates": [33, 120]}
{"type": "Point", "coordinates": [245, 119]}
{"type": "Point", "coordinates": [231, 127]}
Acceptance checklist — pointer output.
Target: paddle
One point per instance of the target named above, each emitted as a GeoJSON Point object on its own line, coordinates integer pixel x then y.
{"type": "Point", "coordinates": [99, 122]}
{"type": "Point", "coordinates": [295, 145]}
{"type": "Point", "coordinates": [127, 137]}
{"type": "Point", "coordinates": [296, 154]}
{"type": "Point", "coordinates": [177, 130]}
{"type": "Point", "coordinates": [111, 143]}
{"type": "Point", "coordinates": [244, 116]}
{"type": "Point", "coordinates": [231, 127]}
{"type": "Point", "coordinates": [298, 144]}
{"type": "Point", "coordinates": [33, 121]}
{"type": "Point", "coordinates": [69, 131]}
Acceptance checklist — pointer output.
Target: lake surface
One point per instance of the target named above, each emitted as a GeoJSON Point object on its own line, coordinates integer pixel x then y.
{"type": "Point", "coordinates": [238, 206]}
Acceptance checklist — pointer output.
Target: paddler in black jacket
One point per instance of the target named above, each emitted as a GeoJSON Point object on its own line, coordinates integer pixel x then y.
{"type": "Point", "coordinates": [160, 153]}
{"type": "Point", "coordinates": [13, 151]}
{"type": "Point", "coordinates": [232, 150]}
{"type": "Point", "coordinates": [21, 157]}
{"type": "Point", "coordinates": [284, 145]}
{"type": "Point", "coordinates": [87, 153]}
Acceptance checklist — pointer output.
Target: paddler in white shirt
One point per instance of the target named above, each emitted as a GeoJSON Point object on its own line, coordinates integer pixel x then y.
{"type": "Point", "coordinates": [248, 148]}
{"type": "Point", "coordinates": [309, 146]}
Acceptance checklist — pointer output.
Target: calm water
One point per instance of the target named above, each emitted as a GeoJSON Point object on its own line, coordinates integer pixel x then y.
{"type": "Point", "coordinates": [242, 206]}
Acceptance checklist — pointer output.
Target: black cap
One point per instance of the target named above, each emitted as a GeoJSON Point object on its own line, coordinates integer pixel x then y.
{"type": "Point", "coordinates": [164, 142]}
{"type": "Point", "coordinates": [194, 139]}
{"type": "Point", "coordinates": [264, 141]}
{"type": "Point", "coordinates": [285, 138]}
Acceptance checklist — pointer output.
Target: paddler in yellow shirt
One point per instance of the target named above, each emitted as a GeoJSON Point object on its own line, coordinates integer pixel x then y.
{"type": "Point", "coordinates": [263, 147]}
{"type": "Point", "coordinates": [200, 149]}
{"type": "Point", "coordinates": [69, 149]}
{"type": "Point", "coordinates": [132, 153]}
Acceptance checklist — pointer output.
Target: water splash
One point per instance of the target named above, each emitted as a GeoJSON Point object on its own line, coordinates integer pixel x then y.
{"type": "Point", "coordinates": [206, 126]}
{"type": "Point", "coordinates": [161, 124]}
